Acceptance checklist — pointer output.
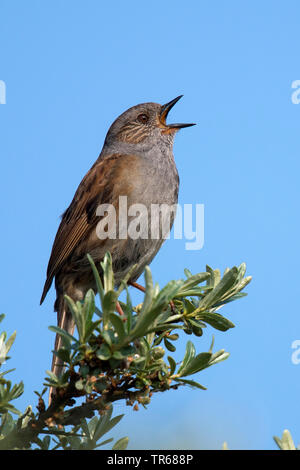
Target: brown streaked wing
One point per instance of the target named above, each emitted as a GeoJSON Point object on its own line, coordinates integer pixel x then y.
{"type": "Point", "coordinates": [80, 217]}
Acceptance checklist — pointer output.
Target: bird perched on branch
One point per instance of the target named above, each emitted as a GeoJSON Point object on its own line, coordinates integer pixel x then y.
{"type": "Point", "coordinates": [136, 162]}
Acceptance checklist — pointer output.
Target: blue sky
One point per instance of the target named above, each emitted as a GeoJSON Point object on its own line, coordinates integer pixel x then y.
{"type": "Point", "coordinates": [70, 69]}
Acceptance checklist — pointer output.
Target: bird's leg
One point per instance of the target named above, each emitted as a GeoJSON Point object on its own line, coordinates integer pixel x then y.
{"type": "Point", "coordinates": [119, 309]}
{"type": "Point", "coordinates": [137, 286]}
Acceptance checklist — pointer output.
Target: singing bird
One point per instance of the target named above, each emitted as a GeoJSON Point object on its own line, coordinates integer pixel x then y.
{"type": "Point", "coordinates": [136, 161]}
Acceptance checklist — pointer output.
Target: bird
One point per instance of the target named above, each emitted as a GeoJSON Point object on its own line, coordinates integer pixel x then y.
{"type": "Point", "coordinates": [136, 162]}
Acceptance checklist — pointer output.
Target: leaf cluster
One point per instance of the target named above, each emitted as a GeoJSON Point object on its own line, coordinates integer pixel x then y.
{"type": "Point", "coordinates": [127, 356]}
{"type": "Point", "coordinates": [124, 352]}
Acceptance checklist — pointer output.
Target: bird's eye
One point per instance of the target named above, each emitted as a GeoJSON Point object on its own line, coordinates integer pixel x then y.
{"type": "Point", "coordinates": [143, 118]}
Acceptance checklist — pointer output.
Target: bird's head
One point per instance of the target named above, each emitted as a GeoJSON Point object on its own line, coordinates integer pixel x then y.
{"type": "Point", "coordinates": [144, 125]}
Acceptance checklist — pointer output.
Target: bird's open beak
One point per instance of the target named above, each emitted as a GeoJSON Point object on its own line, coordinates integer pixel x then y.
{"type": "Point", "coordinates": [165, 109]}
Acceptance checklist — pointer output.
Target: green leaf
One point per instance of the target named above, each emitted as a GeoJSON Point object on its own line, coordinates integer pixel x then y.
{"type": "Point", "coordinates": [108, 336]}
{"type": "Point", "coordinates": [221, 288]}
{"type": "Point", "coordinates": [172, 363]}
{"type": "Point", "coordinates": [89, 426]}
{"type": "Point", "coordinates": [105, 424]}
{"type": "Point", "coordinates": [187, 272]}
{"type": "Point", "coordinates": [76, 310]}
{"type": "Point", "coordinates": [149, 291]}
{"type": "Point", "coordinates": [150, 311]}
{"type": "Point", "coordinates": [63, 333]}
{"type": "Point", "coordinates": [217, 276]}
{"type": "Point", "coordinates": [216, 320]}
{"type": "Point", "coordinates": [118, 355]}
{"type": "Point", "coordinates": [85, 427]}
{"type": "Point", "coordinates": [10, 341]}
{"type": "Point", "coordinates": [196, 323]}
{"type": "Point", "coordinates": [123, 283]}
{"type": "Point", "coordinates": [212, 344]}
{"type": "Point", "coordinates": [10, 408]}
{"type": "Point", "coordinates": [121, 444]}
{"type": "Point", "coordinates": [53, 377]}
{"type": "Point", "coordinates": [230, 298]}
{"type": "Point", "coordinates": [189, 307]}
{"type": "Point", "coordinates": [108, 306]}
{"type": "Point", "coordinates": [103, 353]}
{"type": "Point", "coordinates": [127, 308]}
{"type": "Point", "coordinates": [97, 278]}
{"type": "Point", "coordinates": [63, 354]}
{"type": "Point", "coordinates": [191, 282]}
{"type": "Point", "coordinates": [46, 442]}
{"type": "Point", "coordinates": [211, 280]}
{"type": "Point", "coordinates": [218, 357]}
{"type": "Point", "coordinates": [201, 361]}
{"type": "Point", "coordinates": [242, 271]}
{"type": "Point", "coordinates": [189, 355]}
{"type": "Point", "coordinates": [192, 383]}
{"type": "Point", "coordinates": [164, 327]}
{"type": "Point", "coordinates": [169, 345]}
{"type": "Point", "coordinates": [118, 325]}
{"type": "Point", "coordinates": [108, 275]}
{"type": "Point", "coordinates": [6, 372]}
{"type": "Point", "coordinates": [286, 442]}
{"type": "Point", "coordinates": [107, 441]}
{"type": "Point", "coordinates": [166, 294]}
{"type": "Point", "coordinates": [88, 308]}
{"type": "Point", "coordinates": [242, 284]}
{"type": "Point", "coordinates": [91, 328]}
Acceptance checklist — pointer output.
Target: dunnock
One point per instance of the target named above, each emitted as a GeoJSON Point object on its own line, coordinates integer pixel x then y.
{"type": "Point", "coordinates": [137, 162]}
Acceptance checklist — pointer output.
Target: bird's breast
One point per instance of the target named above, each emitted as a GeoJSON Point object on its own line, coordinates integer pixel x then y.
{"type": "Point", "coordinates": [157, 181]}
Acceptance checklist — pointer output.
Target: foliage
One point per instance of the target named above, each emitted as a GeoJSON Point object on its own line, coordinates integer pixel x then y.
{"type": "Point", "coordinates": [8, 392]}
{"type": "Point", "coordinates": [127, 356]}
{"type": "Point", "coordinates": [286, 442]}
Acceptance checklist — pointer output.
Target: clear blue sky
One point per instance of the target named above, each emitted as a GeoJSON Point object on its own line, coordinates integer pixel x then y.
{"type": "Point", "coordinates": [70, 69]}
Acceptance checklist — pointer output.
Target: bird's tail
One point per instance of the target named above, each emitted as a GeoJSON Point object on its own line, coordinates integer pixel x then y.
{"type": "Point", "coordinates": [66, 322]}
